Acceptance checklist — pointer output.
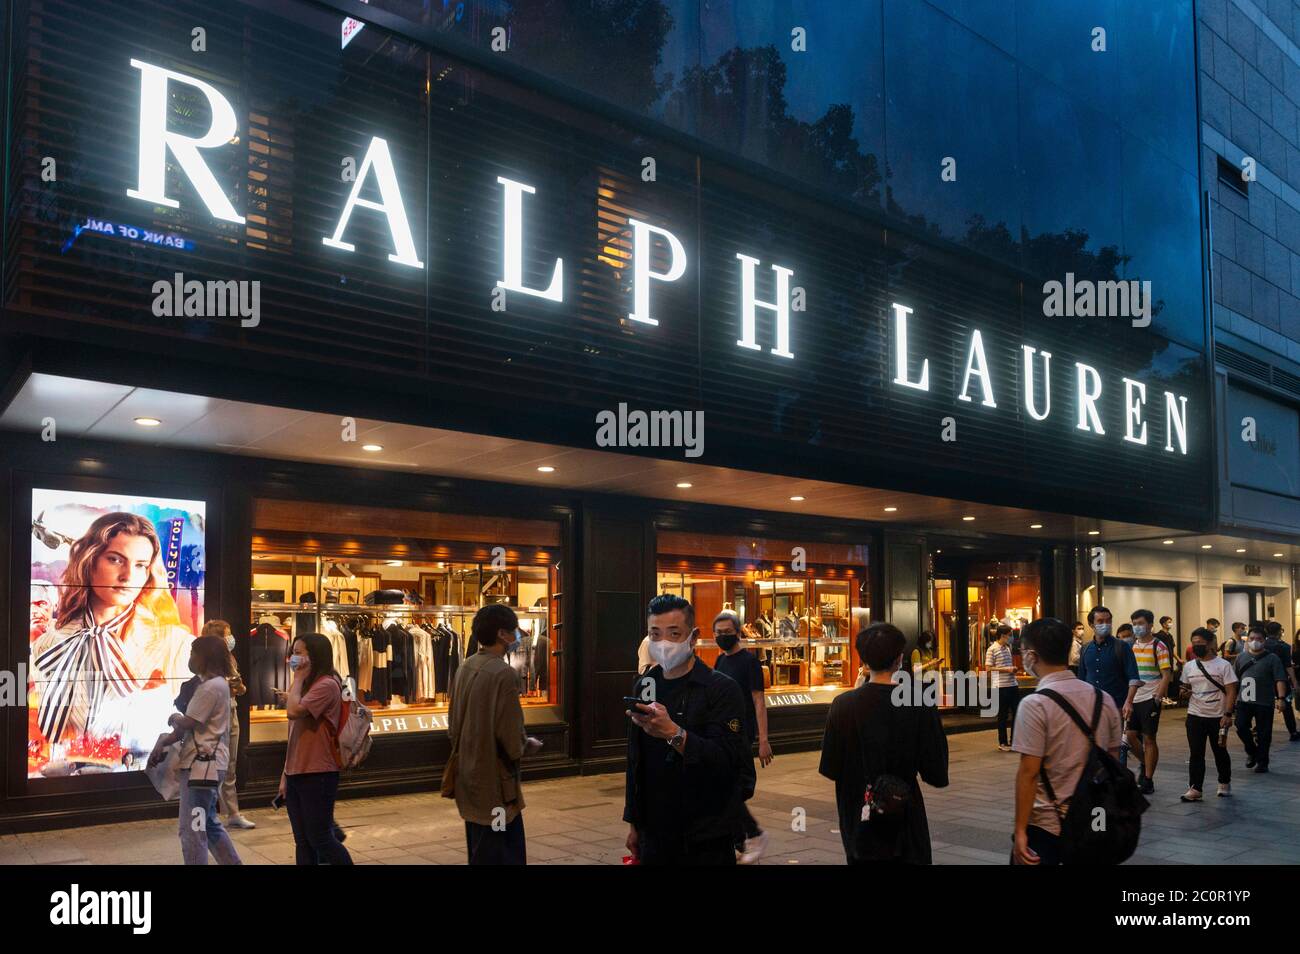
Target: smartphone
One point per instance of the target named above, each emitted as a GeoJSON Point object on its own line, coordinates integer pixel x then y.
{"type": "Point", "coordinates": [277, 802]}
{"type": "Point", "coordinates": [633, 701]}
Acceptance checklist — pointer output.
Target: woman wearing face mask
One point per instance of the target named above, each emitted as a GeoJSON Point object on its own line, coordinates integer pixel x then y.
{"type": "Point", "coordinates": [228, 800]}
{"type": "Point", "coordinates": [204, 728]}
{"type": "Point", "coordinates": [314, 706]}
{"type": "Point", "coordinates": [923, 657]}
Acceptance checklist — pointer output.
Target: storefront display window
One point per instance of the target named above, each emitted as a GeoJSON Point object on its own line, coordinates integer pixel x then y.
{"type": "Point", "coordinates": [800, 604]}
{"type": "Point", "coordinates": [395, 592]}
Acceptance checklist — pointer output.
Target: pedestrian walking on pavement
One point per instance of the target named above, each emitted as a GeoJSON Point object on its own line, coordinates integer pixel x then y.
{"type": "Point", "coordinates": [1053, 750]}
{"type": "Point", "coordinates": [743, 666]}
{"type": "Point", "coordinates": [1234, 644]}
{"type": "Point", "coordinates": [203, 731]}
{"type": "Point", "coordinates": [1262, 689]}
{"type": "Point", "coordinates": [998, 661]}
{"type": "Point", "coordinates": [1154, 669]}
{"type": "Point", "coordinates": [310, 782]}
{"type": "Point", "coordinates": [1275, 644]}
{"type": "Point", "coordinates": [1076, 648]}
{"type": "Point", "coordinates": [228, 797]}
{"type": "Point", "coordinates": [689, 769]}
{"type": "Point", "coordinates": [486, 726]}
{"type": "Point", "coordinates": [1211, 686]}
{"type": "Point", "coordinates": [1108, 663]}
{"type": "Point", "coordinates": [875, 750]}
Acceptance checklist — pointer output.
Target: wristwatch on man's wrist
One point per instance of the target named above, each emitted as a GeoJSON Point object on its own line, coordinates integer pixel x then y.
{"type": "Point", "coordinates": [677, 740]}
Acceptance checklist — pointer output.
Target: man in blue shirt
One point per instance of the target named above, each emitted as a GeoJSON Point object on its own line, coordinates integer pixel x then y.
{"type": "Point", "coordinates": [1109, 664]}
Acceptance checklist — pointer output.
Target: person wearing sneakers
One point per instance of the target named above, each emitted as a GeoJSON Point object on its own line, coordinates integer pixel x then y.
{"type": "Point", "coordinates": [1211, 685]}
{"type": "Point", "coordinates": [999, 662]}
{"type": "Point", "coordinates": [1264, 686]}
{"type": "Point", "coordinates": [743, 666]}
{"type": "Point", "coordinates": [1154, 669]}
{"type": "Point", "coordinates": [227, 796]}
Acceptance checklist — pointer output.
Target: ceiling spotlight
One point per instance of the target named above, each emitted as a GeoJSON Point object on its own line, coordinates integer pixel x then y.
{"type": "Point", "coordinates": [372, 448]}
{"type": "Point", "coordinates": [1279, 554]}
{"type": "Point", "coordinates": [148, 421]}
{"type": "Point", "coordinates": [796, 499]}
{"type": "Point", "coordinates": [546, 469]}
{"type": "Point", "coordinates": [684, 485]}
{"type": "Point", "coordinates": [1094, 533]}
{"type": "Point", "coordinates": [1166, 542]}
{"type": "Point", "coordinates": [394, 562]}
{"type": "Point", "coordinates": [1205, 546]}
{"type": "Point", "coordinates": [1035, 526]}
{"type": "Point", "coordinates": [891, 510]}
{"type": "Point", "coordinates": [1241, 550]}
{"type": "Point", "coordinates": [968, 519]}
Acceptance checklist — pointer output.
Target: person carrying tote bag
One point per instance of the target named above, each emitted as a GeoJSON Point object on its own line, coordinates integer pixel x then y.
{"type": "Point", "coordinates": [203, 731]}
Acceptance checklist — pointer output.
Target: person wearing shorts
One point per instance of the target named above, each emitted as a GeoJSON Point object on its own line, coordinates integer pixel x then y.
{"type": "Point", "coordinates": [1154, 670]}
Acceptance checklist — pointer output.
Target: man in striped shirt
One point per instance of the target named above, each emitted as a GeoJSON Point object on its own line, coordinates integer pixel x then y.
{"type": "Point", "coordinates": [1154, 670]}
{"type": "Point", "coordinates": [998, 661]}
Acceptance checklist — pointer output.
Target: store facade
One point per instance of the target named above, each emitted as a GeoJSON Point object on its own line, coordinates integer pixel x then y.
{"type": "Point", "coordinates": [372, 335]}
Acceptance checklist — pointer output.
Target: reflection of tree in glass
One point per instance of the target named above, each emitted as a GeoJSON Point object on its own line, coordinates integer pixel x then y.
{"type": "Point", "coordinates": [739, 103]}
{"type": "Point", "coordinates": [610, 47]}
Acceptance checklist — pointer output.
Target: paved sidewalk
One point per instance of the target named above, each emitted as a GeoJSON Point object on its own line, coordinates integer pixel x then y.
{"type": "Point", "coordinates": [577, 820]}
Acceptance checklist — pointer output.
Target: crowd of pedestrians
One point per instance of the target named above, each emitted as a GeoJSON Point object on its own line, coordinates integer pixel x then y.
{"type": "Point", "coordinates": [694, 732]}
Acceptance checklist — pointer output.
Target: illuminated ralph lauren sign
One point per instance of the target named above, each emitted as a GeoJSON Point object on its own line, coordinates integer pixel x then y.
{"type": "Point", "coordinates": [976, 383]}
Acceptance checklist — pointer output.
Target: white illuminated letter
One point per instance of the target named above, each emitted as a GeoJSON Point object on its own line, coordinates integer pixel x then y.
{"type": "Point", "coordinates": [1135, 396]}
{"type": "Point", "coordinates": [641, 273]}
{"type": "Point", "coordinates": [1089, 389]}
{"type": "Point", "coordinates": [1175, 420]}
{"type": "Point", "coordinates": [155, 140]}
{"type": "Point", "coordinates": [900, 352]}
{"type": "Point", "coordinates": [1029, 383]}
{"type": "Point", "coordinates": [514, 249]}
{"type": "Point", "coordinates": [381, 160]}
{"type": "Point", "coordinates": [978, 365]}
{"type": "Point", "coordinates": [748, 303]}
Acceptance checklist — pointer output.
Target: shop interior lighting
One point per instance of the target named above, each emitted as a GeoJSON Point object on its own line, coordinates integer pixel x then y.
{"type": "Point", "coordinates": [968, 519]}
{"type": "Point", "coordinates": [684, 485]}
{"type": "Point", "coordinates": [546, 469]}
{"type": "Point", "coordinates": [372, 448]}
{"type": "Point", "coordinates": [1035, 526]}
{"type": "Point", "coordinates": [796, 499]}
{"type": "Point", "coordinates": [1166, 542]}
{"type": "Point", "coordinates": [148, 421]}
{"type": "Point", "coordinates": [1205, 546]}
{"type": "Point", "coordinates": [891, 509]}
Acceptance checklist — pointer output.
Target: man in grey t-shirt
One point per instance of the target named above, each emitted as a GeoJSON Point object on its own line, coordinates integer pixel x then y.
{"type": "Point", "coordinates": [1050, 742]}
{"type": "Point", "coordinates": [1263, 690]}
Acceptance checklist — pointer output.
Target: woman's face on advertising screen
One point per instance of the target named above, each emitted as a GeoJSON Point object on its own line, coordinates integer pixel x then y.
{"type": "Point", "coordinates": [119, 573]}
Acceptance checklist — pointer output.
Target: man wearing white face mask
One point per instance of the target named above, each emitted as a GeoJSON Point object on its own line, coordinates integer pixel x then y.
{"type": "Point", "coordinates": [486, 727]}
{"type": "Point", "coordinates": [689, 766]}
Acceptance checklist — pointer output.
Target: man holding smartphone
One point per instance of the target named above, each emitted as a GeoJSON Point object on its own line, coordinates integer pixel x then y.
{"type": "Point", "coordinates": [689, 767]}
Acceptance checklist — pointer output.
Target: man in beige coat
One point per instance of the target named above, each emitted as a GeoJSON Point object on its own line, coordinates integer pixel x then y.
{"type": "Point", "coordinates": [486, 726]}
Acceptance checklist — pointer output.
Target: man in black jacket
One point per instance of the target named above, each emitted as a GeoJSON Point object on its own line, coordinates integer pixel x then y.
{"type": "Point", "coordinates": [689, 768]}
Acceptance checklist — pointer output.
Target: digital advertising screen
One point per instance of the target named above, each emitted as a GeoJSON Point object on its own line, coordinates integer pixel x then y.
{"type": "Point", "coordinates": [116, 600]}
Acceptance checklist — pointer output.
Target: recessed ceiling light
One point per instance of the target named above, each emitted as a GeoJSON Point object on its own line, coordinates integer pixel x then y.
{"type": "Point", "coordinates": [968, 519]}
{"type": "Point", "coordinates": [546, 469]}
{"type": "Point", "coordinates": [1094, 533]}
{"type": "Point", "coordinates": [796, 498]}
{"type": "Point", "coordinates": [1166, 542]}
{"type": "Point", "coordinates": [938, 551]}
{"type": "Point", "coordinates": [1241, 550]}
{"type": "Point", "coordinates": [372, 448]}
{"type": "Point", "coordinates": [394, 562]}
{"type": "Point", "coordinates": [684, 485]}
{"type": "Point", "coordinates": [148, 421]}
{"type": "Point", "coordinates": [891, 510]}
{"type": "Point", "coordinates": [1035, 526]}
{"type": "Point", "coordinates": [1205, 546]}
{"type": "Point", "coordinates": [1279, 554]}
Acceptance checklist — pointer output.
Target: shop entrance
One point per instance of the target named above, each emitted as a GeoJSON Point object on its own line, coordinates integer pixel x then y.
{"type": "Point", "coordinates": [972, 593]}
{"type": "Point", "coordinates": [1243, 604]}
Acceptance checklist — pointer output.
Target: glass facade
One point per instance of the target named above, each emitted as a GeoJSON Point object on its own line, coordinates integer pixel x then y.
{"type": "Point", "coordinates": [1070, 124]}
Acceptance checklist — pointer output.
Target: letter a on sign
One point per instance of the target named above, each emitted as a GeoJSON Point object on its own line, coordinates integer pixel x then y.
{"type": "Point", "coordinates": [155, 140]}
{"type": "Point", "coordinates": [380, 160]}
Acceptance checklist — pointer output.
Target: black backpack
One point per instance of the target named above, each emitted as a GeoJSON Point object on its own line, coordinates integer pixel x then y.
{"type": "Point", "coordinates": [1104, 785]}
